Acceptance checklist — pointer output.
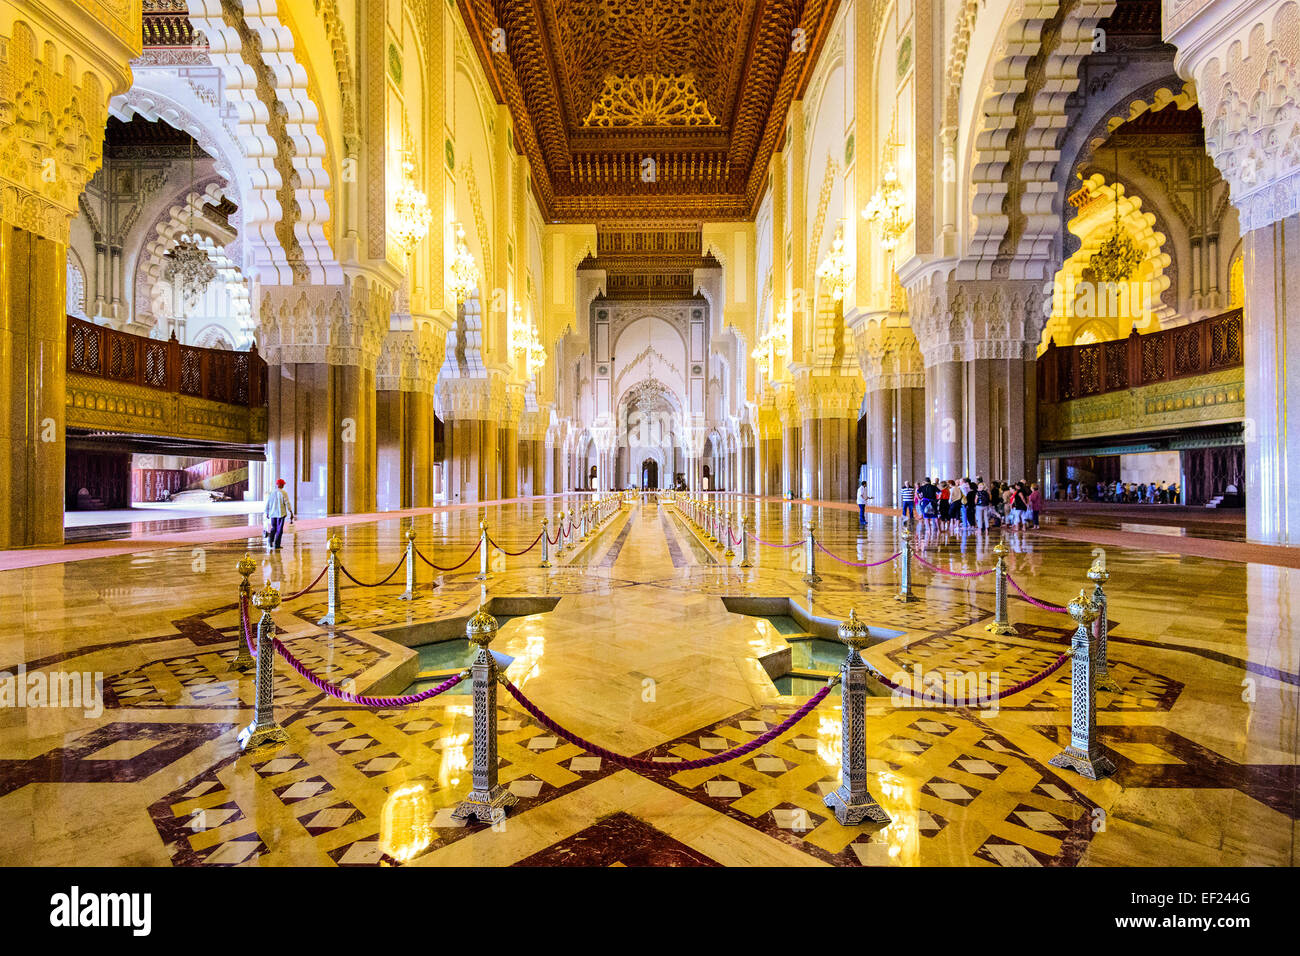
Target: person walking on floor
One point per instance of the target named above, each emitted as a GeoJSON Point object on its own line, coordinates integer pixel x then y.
{"type": "Point", "coordinates": [863, 498]}
{"type": "Point", "coordinates": [909, 501]}
{"type": "Point", "coordinates": [278, 508]}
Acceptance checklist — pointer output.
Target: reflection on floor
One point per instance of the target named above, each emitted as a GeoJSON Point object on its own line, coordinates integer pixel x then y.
{"type": "Point", "coordinates": [640, 656]}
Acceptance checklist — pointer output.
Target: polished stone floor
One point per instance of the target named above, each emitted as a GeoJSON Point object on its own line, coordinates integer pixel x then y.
{"type": "Point", "coordinates": [641, 656]}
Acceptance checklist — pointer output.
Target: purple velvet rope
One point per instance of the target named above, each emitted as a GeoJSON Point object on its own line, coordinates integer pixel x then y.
{"type": "Point", "coordinates": [661, 766]}
{"type": "Point", "coordinates": [335, 691]}
{"type": "Point", "coordinates": [326, 686]}
{"type": "Point", "coordinates": [1034, 601]}
{"type": "Point", "coordinates": [515, 554]}
{"type": "Point", "coordinates": [772, 545]}
{"type": "Point", "coordinates": [1014, 689]}
{"type": "Point", "coordinates": [348, 575]}
{"type": "Point", "coordinates": [856, 564]}
{"type": "Point", "coordinates": [298, 594]}
{"type": "Point", "coordinates": [419, 555]}
{"type": "Point", "coordinates": [953, 574]}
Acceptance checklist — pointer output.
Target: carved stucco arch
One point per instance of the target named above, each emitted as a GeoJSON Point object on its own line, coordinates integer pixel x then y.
{"type": "Point", "coordinates": [1031, 75]}
{"type": "Point", "coordinates": [287, 208]}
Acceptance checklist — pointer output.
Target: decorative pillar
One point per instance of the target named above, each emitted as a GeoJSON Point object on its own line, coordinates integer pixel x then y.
{"type": "Point", "coordinates": [852, 801]}
{"type": "Point", "coordinates": [1233, 51]}
{"type": "Point", "coordinates": [62, 64]}
{"type": "Point", "coordinates": [488, 799]}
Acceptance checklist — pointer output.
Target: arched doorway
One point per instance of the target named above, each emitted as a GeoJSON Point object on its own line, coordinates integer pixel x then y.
{"type": "Point", "coordinates": [649, 475]}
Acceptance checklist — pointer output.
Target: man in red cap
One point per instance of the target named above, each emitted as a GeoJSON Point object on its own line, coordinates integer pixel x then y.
{"type": "Point", "coordinates": [278, 507]}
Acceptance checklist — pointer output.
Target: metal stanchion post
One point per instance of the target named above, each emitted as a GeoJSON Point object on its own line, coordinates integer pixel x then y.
{"type": "Point", "coordinates": [726, 530]}
{"type": "Point", "coordinates": [334, 611]}
{"type": "Point", "coordinates": [1000, 624]}
{"type": "Point", "coordinates": [744, 542]}
{"type": "Point", "coordinates": [810, 555]}
{"type": "Point", "coordinates": [905, 571]}
{"type": "Point", "coordinates": [482, 552]}
{"type": "Point", "coordinates": [546, 545]}
{"type": "Point", "coordinates": [853, 802]}
{"type": "Point", "coordinates": [1098, 575]}
{"type": "Point", "coordinates": [562, 540]}
{"type": "Point", "coordinates": [243, 659]}
{"type": "Point", "coordinates": [264, 730]}
{"type": "Point", "coordinates": [488, 799]}
{"type": "Point", "coordinates": [409, 593]}
{"type": "Point", "coordinates": [1085, 754]}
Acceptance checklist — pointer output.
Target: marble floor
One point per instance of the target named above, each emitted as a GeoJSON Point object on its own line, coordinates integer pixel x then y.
{"type": "Point", "coordinates": [639, 654]}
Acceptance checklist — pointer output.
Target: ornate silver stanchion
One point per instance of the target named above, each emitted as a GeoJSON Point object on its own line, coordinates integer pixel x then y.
{"type": "Point", "coordinates": [726, 530]}
{"type": "Point", "coordinates": [483, 547]}
{"type": "Point", "coordinates": [546, 543]}
{"type": "Point", "coordinates": [243, 659]}
{"type": "Point", "coordinates": [264, 730]}
{"type": "Point", "coordinates": [744, 542]}
{"type": "Point", "coordinates": [334, 610]}
{"type": "Point", "coordinates": [488, 799]}
{"type": "Point", "coordinates": [852, 802]}
{"type": "Point", "coordinates": [409, 593]}
{"type": "Point", "coordinates": [1000, 623]}
{"type": "Point", "coordinates": [810, 555]}
{"type": "Point", "coordinates": [1085, 754]}
{"type": "Point", "coordinates": [905, 571]}
{"type": "Point", "coordinates": [561, 540]}
{"type": "Point", "coordinates": [1098, 575]}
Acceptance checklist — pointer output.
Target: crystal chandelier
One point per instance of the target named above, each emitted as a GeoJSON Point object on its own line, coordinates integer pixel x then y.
{"type": "Point", "coordinates": [524, 338]}
{"type": "Point", "coordinates": [411, 213]}
{"type": "Point", "coordinates": [464, 270]}
{"type": "Point", "coordinates": [834, 269]}
{"type": "Point", "coordinates": [190, 271]}
{"type": "Point", "coordinates": [885, 211]}
{"type": "Point", "coordinates": [536, 351]}
{"type": "Point", "coordinates": [775, 341]}
{"type": "Point", "coordinates": [1117, 258]}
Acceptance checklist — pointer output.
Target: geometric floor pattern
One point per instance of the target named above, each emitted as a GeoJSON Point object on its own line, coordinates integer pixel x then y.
{"type": "Point", "coordinates": [640, 655]}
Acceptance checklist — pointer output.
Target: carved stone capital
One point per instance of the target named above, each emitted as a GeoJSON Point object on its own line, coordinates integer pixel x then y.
{"type": "Point", "coordinates": [1243, 58]}
{"type": "Point", "coordinates": [329, 324]}
{"type": "Point", "coordinates": [964, 320]}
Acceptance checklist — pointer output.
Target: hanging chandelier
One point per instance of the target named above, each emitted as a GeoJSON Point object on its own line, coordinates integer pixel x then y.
{"type": "Point", "coordinates": [1117, 258]}
{"type": "Point", "coordinates": [885, 210]}
{"type": "Point", "coordinates": [464, 270]}
{"type": "Point", "coordinates": [536, 351]}
{"type": "Point", "coordinates": [775, 342]}
{"type": "Point", "coordinates": [411, 213]}
{"type": "Point", "coordinates": [524, 338]}
{"type": "Point", "coordinates": [834, 269]}
{"type": "Point", "coordinates": [190, 270]}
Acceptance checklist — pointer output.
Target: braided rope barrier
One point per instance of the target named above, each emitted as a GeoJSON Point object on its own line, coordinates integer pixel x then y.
{"type": "Point", "coordinates": [348, 574]}
{"type": "Point", "coordinates": [669, 766]}
{"type": "Point", "coordinates": [1055, 609]}
{"type": "Point", "coordinates": [979, 702]}
{"type": "Point", "coordinates": [334, 690]}
{"type": "Point", "coordinates": [421, 556]}
{"type": "Point", "coordinates": [771, 544]}
{"type": "Point", "coordinates": [856, 564]}
{"type": "Point", "coordinates": [515, 554]}
{"type": "Point", "coordinates": [298, 594]}
{"type": "Point", "coordinates": [952, 574]}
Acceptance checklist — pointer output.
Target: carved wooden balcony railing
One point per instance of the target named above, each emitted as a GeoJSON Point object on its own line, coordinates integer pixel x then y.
{"type": "Point", "coordinates": [235, 378]}
{"type": "Point", "coordinates": [1078, 371]}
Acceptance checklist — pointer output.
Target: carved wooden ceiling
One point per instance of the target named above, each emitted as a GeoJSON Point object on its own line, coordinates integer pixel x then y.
{"type": "Point", "coordinates": [648, 109]}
